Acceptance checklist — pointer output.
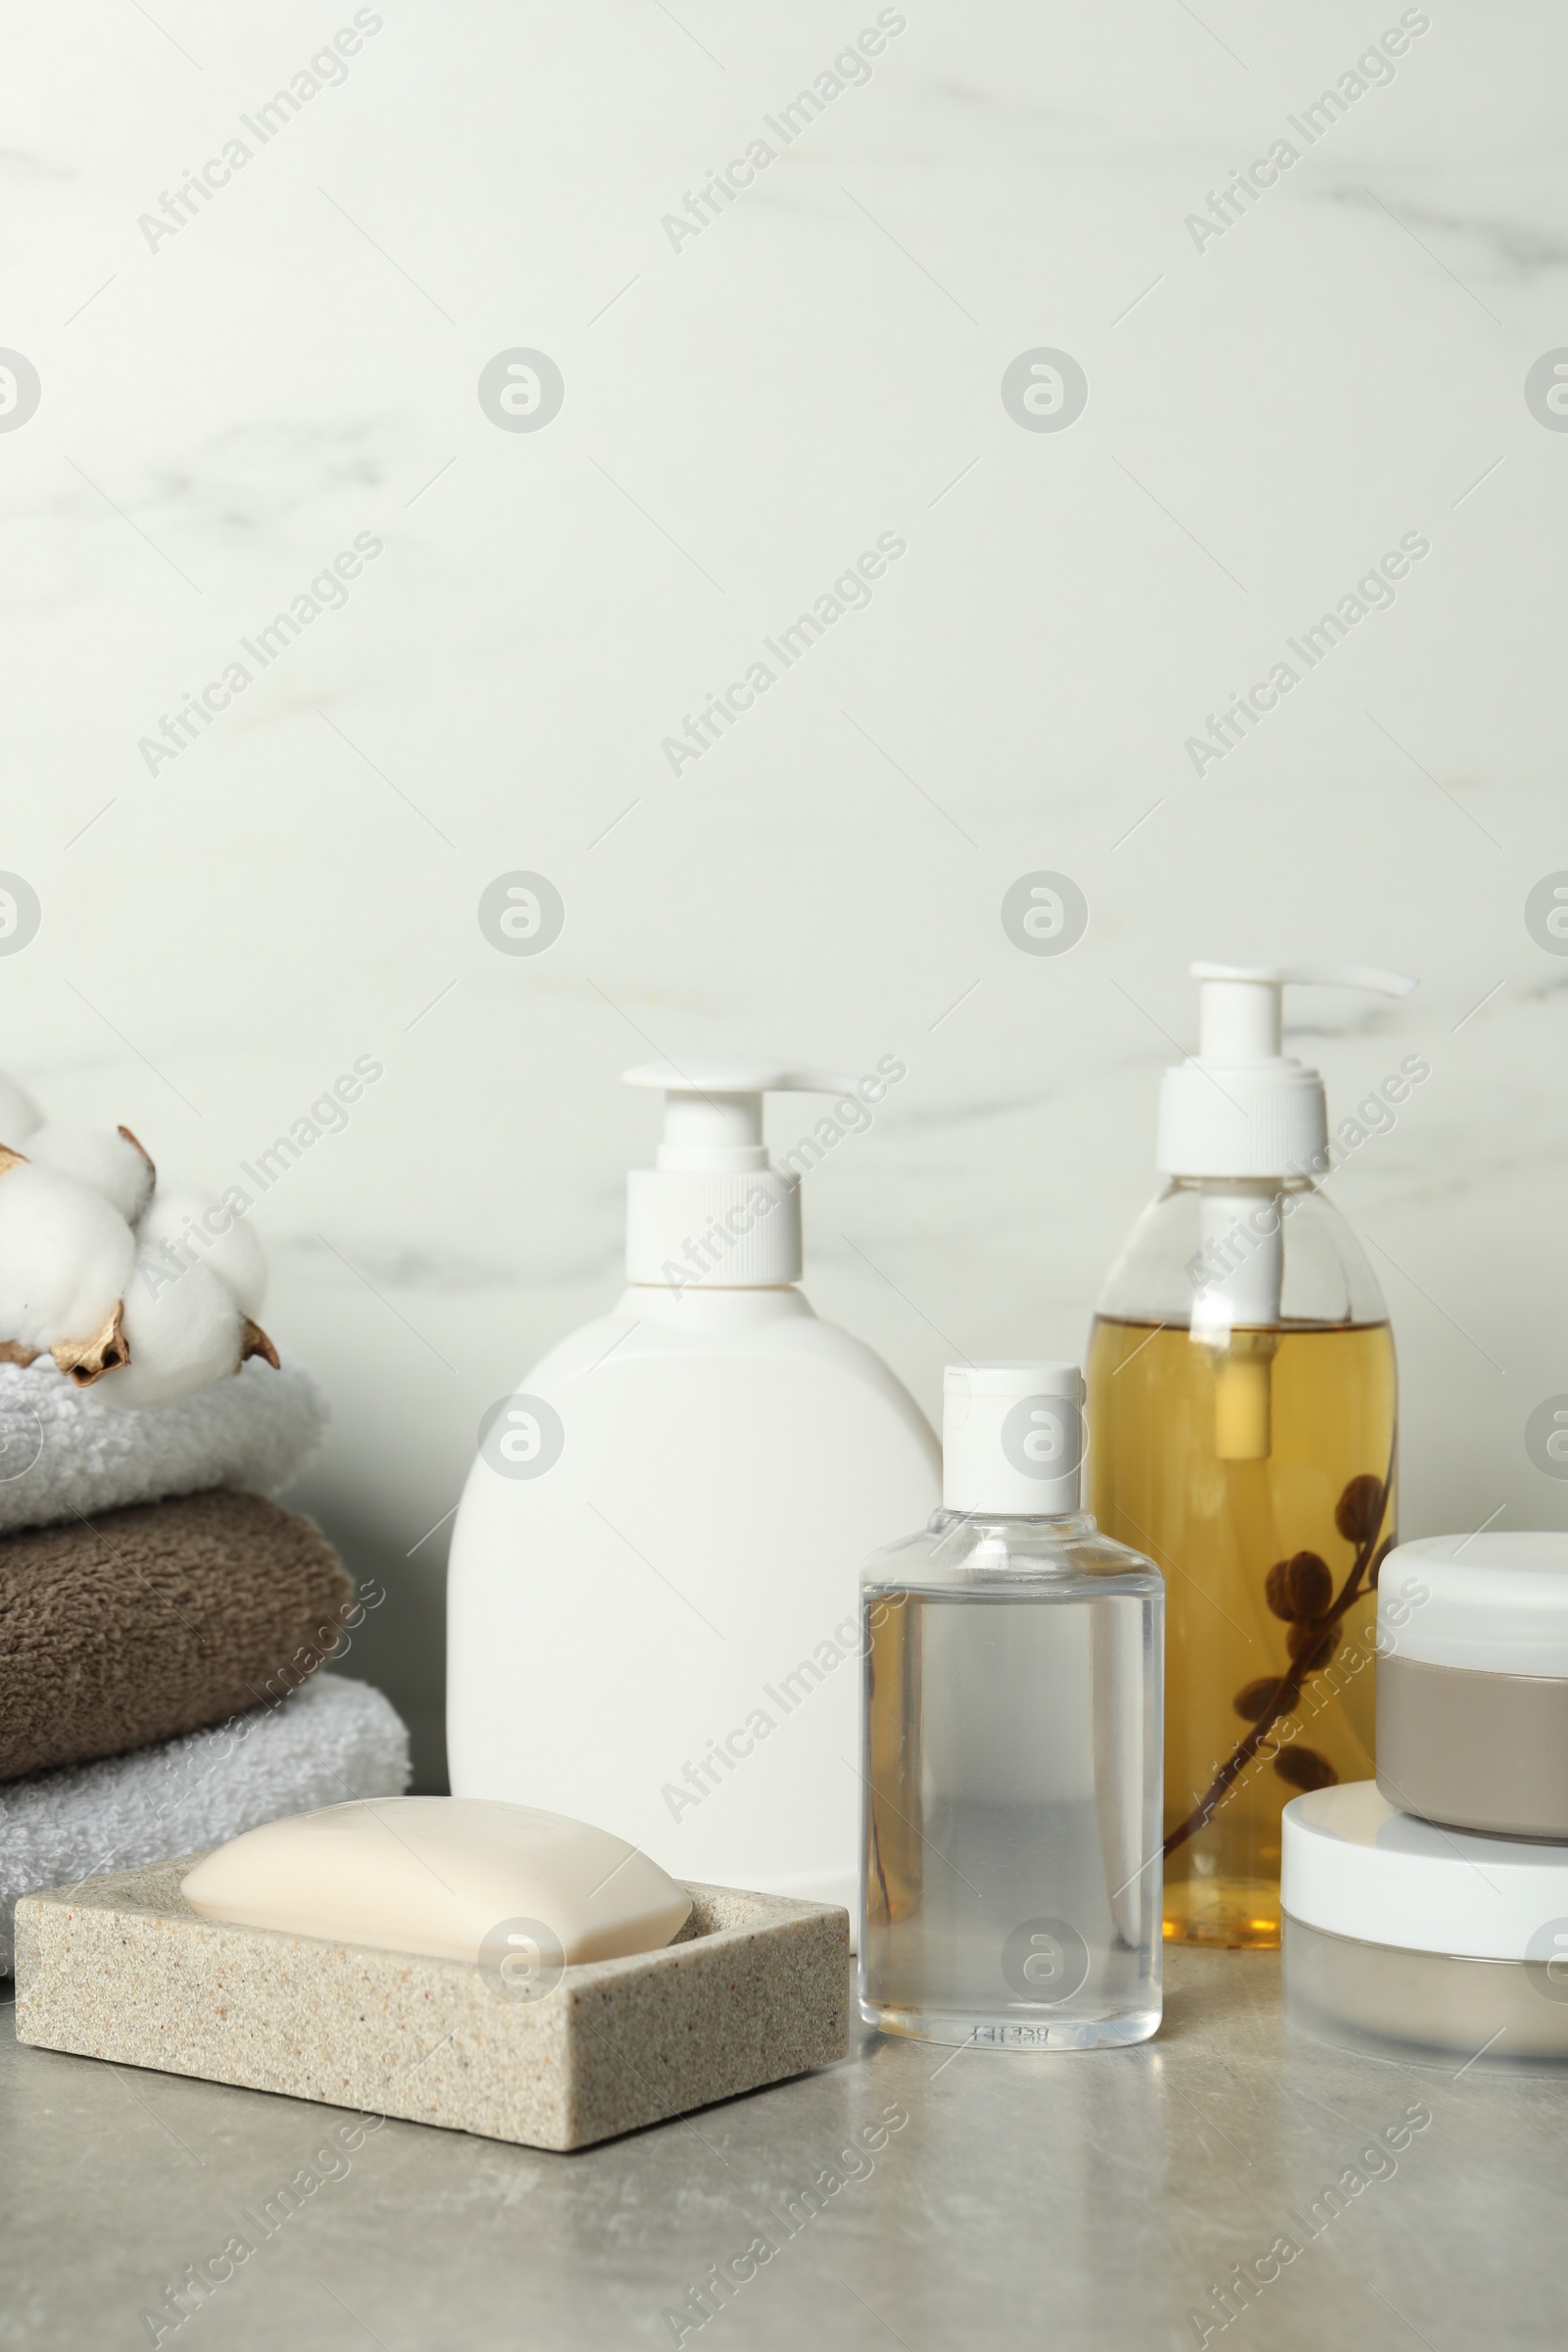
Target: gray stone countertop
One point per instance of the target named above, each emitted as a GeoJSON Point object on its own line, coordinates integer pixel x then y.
{"type": "Point", "coordinates": [908, 2196]}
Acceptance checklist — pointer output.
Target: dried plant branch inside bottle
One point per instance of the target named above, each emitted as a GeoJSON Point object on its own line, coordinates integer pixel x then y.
{"type": "Point", "coordinates": [1271, 1550]}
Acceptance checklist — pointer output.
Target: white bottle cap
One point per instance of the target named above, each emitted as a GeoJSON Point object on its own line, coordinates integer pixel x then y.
{"type": "Point", "coordinates": [713, 1209]}
{"type": "Point", "coordinates": [1239, 1106]}
{"type": "Point", "coordinates": [1352, 1865]}
{"type": "Point", "coordinates": [1012, 1438]}
{"type": "Point", "coordinates": [1491, 1603]}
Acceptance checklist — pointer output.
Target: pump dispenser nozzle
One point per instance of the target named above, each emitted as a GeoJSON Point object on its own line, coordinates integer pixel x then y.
{"type": "Point", "coordinates": [1239, 1106]}
{"type": "Point", "coordinates": [712, 1208]}
{"type": "Point", "coordinates": [1240, 1117]}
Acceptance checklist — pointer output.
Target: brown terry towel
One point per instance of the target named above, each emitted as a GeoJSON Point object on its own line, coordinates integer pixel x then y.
{"type": "Point", "coordinates": [144, 1623]}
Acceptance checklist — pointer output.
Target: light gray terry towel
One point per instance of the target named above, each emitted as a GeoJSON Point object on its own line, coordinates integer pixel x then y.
{"type": "Point", "coordinates": [333, 1740]}
{"type": "Point", "coordinates": [63, 1451]}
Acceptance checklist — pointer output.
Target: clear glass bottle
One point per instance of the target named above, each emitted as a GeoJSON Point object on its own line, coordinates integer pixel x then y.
{"type": "Point", "coordinates": [1255, 1460]}
{"type": "Point", "coordinates": [1243, 1398]}
{"type": "Point", "coordinates": [1010, 1872]}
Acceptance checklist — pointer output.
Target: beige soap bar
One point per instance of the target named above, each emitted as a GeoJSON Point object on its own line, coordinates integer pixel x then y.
{"type": "Point", "coordinates": [521, 1892]}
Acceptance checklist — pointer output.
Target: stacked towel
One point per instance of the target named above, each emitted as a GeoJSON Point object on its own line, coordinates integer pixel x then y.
{"type": "Point", "coordinates": [332, 1740]}
{"type": "Point", "coordinates": [149, 1591]}
{"type": "Point", "coordinates": [134, 1626]}
{"type": "Point", "coordinates": [65, 1450]}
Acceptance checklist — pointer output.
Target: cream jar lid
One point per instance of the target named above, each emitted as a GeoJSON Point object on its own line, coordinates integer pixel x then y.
{"type": "Point", "coordinates": [1352, 1865]}
{"type": "Point", "coordinates": [1496, 1604]}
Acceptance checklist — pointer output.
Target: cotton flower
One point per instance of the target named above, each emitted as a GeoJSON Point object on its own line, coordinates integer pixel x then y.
{"type": "Point", "coordinates": [109, 1159]}
{"type": "Point", "coordinates": [187, 1228]}
{"type": "Point", "coordinates": [66, 1257]}
{"type": "Point", "coordinates": [183, 1331]}
{"type": "Point", "coordinates": [19, 1112]}
{"type": "Point", "coordinates": [135, 1307]}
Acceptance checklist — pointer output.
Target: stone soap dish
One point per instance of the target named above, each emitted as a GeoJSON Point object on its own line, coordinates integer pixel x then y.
{"type": "Point", "coordinates": [754, 1988]}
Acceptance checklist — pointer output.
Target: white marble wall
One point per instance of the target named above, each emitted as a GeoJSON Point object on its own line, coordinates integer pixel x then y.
{"type": "Point", "coordinates": [226, 407]}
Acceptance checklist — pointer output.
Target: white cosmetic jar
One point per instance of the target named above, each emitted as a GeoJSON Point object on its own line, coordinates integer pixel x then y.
{"type": "Point", "coordinates": [1472, 1682]}
{"type": "Point", "coordinates": [1403, 1938]}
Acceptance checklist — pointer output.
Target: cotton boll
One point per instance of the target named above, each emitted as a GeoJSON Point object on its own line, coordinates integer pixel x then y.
{"type": "Point", "coordinates": [183, 1331]}
{"type": "Point", "coordinates": [175, 1222]}
{"type": "Point", "coordinates": [66, 1257]}
{"type": "Point", "coordinates": [19, 1112]}
{"type": "Point", "coordinates": [109, 1159]}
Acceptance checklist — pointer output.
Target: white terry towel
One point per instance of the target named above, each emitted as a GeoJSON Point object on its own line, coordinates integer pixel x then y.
{"type": "Point", "coordinates": [330, 1740]}
{"type": "Point", "coordinates": [65, 1451]}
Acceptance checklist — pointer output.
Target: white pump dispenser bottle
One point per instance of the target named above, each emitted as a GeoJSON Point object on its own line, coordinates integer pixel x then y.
{"type": "Point", "coordinates": [652, 1592]}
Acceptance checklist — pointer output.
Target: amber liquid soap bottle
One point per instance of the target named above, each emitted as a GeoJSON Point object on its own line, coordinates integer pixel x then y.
{"type": "Point", "coordinates": [1241, 1400]}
